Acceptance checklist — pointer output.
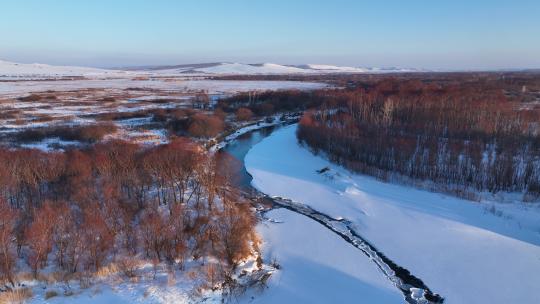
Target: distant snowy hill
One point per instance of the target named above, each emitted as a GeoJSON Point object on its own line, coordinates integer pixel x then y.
{"type": "Point", "coordinates": [38, 70]}
{"type": "Point", "coordinates": [227, 68]}
{"type": "Point", "coordinates": [333, 68]}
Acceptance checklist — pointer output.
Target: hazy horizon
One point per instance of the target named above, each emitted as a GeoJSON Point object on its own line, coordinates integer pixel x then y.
{"type": "Point", "coordinates": [485, 35]}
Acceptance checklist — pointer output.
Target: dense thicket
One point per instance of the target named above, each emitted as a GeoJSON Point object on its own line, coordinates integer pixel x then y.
{"type": "Point", "coordinates": [471, 133]}
{"type": "Point", "coordinates": [271, 102]}
{"type": "Point", "coordinates": [85, 134]}
{"type": "Point", "coordinates": [83, 209]}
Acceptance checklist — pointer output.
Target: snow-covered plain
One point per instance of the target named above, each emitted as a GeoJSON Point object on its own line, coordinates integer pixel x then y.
{"type": "Point", "coordinates": [179, 84]}
{"type": "Point", "coordinates": [458, 248]}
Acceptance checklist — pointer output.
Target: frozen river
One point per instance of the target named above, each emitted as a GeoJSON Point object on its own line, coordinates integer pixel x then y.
{"type": "Point", "coordinates": [457, 248]}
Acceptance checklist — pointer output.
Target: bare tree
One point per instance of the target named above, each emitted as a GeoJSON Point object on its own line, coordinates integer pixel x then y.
{"type": "Point", "coordinates": [8, 220]}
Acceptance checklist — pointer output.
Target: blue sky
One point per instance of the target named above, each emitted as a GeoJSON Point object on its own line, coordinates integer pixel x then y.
{"type": "Point", "coordinates": [429, 34]}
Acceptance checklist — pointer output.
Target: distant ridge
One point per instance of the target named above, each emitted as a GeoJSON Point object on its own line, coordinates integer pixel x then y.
{"type": "Point", "coordinates": [230, 68]}
{"type": "Point", "coordinates": [37, 70]}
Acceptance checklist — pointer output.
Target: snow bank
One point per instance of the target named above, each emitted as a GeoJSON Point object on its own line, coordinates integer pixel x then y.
{"type": "Point", "coordinates": [458, 248]}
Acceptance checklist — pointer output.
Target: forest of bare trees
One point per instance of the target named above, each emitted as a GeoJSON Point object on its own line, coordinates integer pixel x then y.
{"type": "Point", "coordinates": [80, 210]}
{"type": "Point", "coordinates": [472, 133]}
{"type": "Point", "coordinates": [270, 102]}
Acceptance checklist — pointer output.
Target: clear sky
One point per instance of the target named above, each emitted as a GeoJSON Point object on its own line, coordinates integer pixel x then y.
{"type": "Point", "coordinates": [443, 34]}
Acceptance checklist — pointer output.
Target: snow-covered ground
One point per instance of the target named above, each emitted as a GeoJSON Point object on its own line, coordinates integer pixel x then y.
{"type": "Point", "coordinates": [9, 89]}
{"type": "Point", "coordinates": [460, 249]}
{"type": "Point", "coordinates": [145, 290]}
{"type": "Point", "coordinates": [151, 286]}
{"type": "Point", "coordinates": [317, 266]}
{"type": "Point", "coordinates": [73, 102]}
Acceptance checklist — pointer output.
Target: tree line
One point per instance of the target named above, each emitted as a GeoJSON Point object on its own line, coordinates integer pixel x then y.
{"type": "Point", "coordinates": [469, 133]}
{"type": "Point", "coordinates": [265, 103]}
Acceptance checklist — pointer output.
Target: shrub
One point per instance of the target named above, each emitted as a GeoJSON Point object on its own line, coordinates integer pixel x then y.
{"type": "Point", "coordinates": [121, 115]}
{"type": "Point", "coordinates": [30, 98]}
{"type": "Point", "coordinates": [128, 266]}
{"type": "Point", "coordinates": [43, 118]}
{"type": "Point", "coordinates": [86, 134]}
{"type": "Point", "coordinates": [9, 113]}
{"type": "Point", "coordinates": [205, 126]}
{"type": "Point", "coordinates": [244, 114]}
{"type": "Point", "coordinates": [50, 294]}
{"type": "Point", "coordinates": [16, 296]}
{"type": "Point", "coordinates": [108, 99]}
{"type": "Point", "coordinates": [30, 135]}
{"type": "Point", "coordinates": [92, 133]}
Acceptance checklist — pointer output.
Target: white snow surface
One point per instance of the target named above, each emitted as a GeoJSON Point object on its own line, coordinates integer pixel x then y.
{"type": "Point", "coordinates": [239, 68]}
{"type": "Point", "coordinates": [163, 288]}
{"type": "Point", "coordinates": [325, 67]}
{"type": "Point", "coordinates": [12, 69]}
{"type": "Point", "coordinates": [210, 86]}
{"type": "Point", "coordinates": [458, 248]}
{"type": "Point", "coordinates": [317, 266]}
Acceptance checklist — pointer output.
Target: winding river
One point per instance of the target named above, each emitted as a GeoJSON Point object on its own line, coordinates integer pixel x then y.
{"type": "Point", "coordinates": [413, 288]}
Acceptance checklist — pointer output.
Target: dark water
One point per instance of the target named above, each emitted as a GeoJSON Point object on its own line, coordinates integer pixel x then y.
{"type": "Point", "coordinates": [239, 148]}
